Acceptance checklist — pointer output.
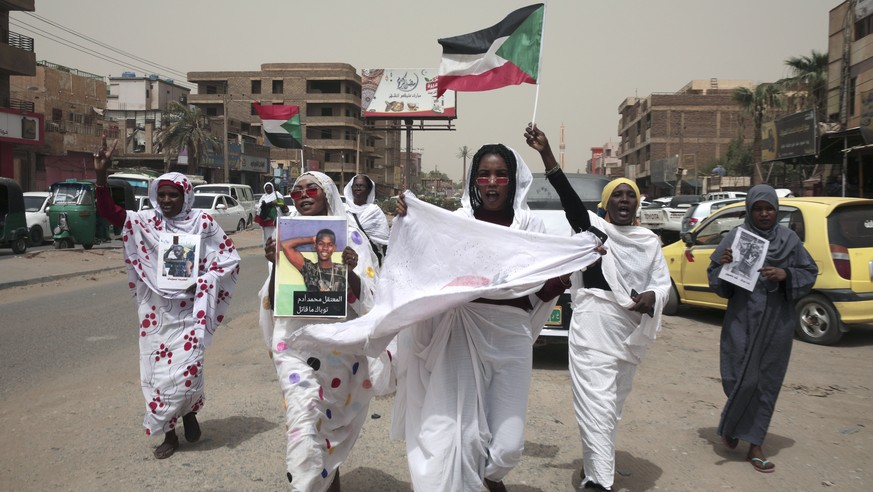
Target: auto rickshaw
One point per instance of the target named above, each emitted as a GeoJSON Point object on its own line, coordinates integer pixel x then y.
{"type": "Point", "coordinates": [73, 212]}
{"type": "Point", "coordinates": [13, 222]}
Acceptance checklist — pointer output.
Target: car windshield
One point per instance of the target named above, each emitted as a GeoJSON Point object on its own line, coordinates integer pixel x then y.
{"type": "Point", "coordinates": [203, 201]}
{"type": "Point", "coordinates": [852, 226]}
{"type": "Point", "coordinates": [71, 194]}
{"type": "Point", "coordinates": [542, 196]}
{"type": "Point", "coordinates": [211, 189]}
{"type": "Point", "coordinates": [33, 203]}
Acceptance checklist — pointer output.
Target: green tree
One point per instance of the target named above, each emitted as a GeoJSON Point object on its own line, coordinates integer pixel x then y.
{"type": "Point", "coordinates": [809, 77]}
{"type": "Point", "coordinates": [464, 153]}
{"type": "Point", "coordinates": [183, 127]}
{"type": "Point", "coordinates": [758, 102]}
{"type": "Point", "coordinates": [739, 159]}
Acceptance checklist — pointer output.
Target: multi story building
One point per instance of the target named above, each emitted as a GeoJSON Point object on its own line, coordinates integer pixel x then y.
{"type": "Point", "coordinates": [683, 129]}
{"type": "Point", "coordinates": [17, 138]}
{"type": "Point", "coordinates": [336, 140]}
{"type": "Point", "coordinates": [849, 146]}
{"type": "Point", "coordinates": [604, 160]}
{"type": "Point", "coordinates": [72, 103]}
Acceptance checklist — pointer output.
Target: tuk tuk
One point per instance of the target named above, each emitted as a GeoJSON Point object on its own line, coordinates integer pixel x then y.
{"type": "Point", "coordinates": [13, 222]}
{"type": "Point", "coordinates": [73, 212]}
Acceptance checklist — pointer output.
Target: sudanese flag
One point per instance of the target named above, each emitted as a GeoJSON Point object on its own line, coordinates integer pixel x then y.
{"type": "Point", "coordinates": [507, 53]}
{"type": "Point", "coordinates": [281, 125]}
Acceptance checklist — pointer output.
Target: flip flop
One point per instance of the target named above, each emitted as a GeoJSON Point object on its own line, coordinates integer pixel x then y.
{"type": "Point", "coordinates": [763, 466]}
{"type": "Point", "coordinates": [166, 449]}
{"type": "Point", "coordinates": [730, 442]}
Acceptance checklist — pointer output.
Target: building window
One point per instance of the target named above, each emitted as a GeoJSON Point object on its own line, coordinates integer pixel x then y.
{"type": "Point", "coordinates": [253, 110]}
{"type": "Point", "coordinates": [256, 87]}
{"type": "Point", "coordinates": [328, 157]}
{"type": "Point", "coordinates": [852, 85]}
{"type": "Point", "coordinates": [864, 27]}
{"type": "Point", "coordinates": [57, 114]}
{"type": "Point", "coordinates": [211, 89]}
{"type": "Point", "coordinates": [278, 87]}
{"type": "Point", "coordinates": [212, 111]}
{"type": "Point", "coordinates": [326, 111]}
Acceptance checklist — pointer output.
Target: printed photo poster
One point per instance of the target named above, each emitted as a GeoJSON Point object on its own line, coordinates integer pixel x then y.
{"type": "Point", "coordinates": [311, 280]}
{"type": "Point", "coordinates": [178, 260]}
{"type": "Point", "coordinates": [749, 251]}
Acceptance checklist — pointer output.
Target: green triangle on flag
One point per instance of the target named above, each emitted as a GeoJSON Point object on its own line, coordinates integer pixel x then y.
{"type": "Point", "coordinates": [522, 47]}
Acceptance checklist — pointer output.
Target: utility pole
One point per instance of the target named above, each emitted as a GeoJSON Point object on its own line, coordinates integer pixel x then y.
{"type": "Point", "coordinates": [226, 160]}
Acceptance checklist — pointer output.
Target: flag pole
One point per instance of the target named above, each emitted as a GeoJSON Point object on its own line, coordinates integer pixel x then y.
{"type": "Point", "coordinates": [539, 67]}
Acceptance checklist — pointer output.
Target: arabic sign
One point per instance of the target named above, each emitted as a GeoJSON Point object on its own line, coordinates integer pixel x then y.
{"type": "Point", "coordinates": [21, 127]}
{"type": "Point", "coordinates": [788, 137]}
{"type": "Point", "coordinates": [404, 93]}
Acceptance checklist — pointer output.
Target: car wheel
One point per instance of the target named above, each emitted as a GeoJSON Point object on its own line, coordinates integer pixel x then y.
{"type": "Point", "coordinates": [817, 321]}
{"type": "Point", "coordinates": [672, 304]}
{"type": "Point", "coordinates": [241, 226]}
{"type": "Point", "coordinates": [19, 246]}
{"type": "Point", "coordinates": [36, 236]}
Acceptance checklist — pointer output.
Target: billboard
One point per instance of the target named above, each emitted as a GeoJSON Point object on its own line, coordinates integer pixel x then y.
{"type": "Point", "coordinates": [22, 127]}
{"type": "Point", "coordinates": [789, 137]}
{"type": "Point", "coordinates": [406, 93]}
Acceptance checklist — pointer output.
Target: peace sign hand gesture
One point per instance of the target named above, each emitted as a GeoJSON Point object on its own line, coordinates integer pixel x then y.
{"type": "Point", "coordinates": [103, 156]}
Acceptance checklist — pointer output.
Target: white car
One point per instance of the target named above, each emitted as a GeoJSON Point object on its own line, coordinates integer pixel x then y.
{"type": "Point", "coordinates": [701, 210]}
{"type": "Point", "coordinates": [35, 203]}
{"type": "Point", "coordinates": [229, 214]}
{"type": "Point", "coordinates": [143, 203]}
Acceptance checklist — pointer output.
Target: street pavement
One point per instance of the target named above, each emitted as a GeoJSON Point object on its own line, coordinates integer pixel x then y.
{"type": "Point", "coordinates": [40, 265]}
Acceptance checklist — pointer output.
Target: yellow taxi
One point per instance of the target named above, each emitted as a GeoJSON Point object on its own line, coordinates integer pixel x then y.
{"type": "Point", "coordinates": [837, 232]}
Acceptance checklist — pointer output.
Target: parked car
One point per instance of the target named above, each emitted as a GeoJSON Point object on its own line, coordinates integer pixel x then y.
{"type": "Point", "coordinates": [837, 232]}
{"type": "Point", "coordinates": [239, 192]}
{"type": "Point", "coordinates": [721, 195]}
{"type": "Point", "coordinates": [229, 214]}
{"type": "Point", "coordinates": [35, 203]}
{"type": "Point", "coordinates": [701, 210]}
{"type": "Point", "coordinates": [545, 204]}
{"type": "Point", "coordinates": [143, 203]}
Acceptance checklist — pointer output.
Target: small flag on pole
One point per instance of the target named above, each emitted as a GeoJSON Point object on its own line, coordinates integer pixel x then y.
{"type": "Point", "coordinates": [281, 125]}
{"type": "Point", "coordinates": [507, 53]}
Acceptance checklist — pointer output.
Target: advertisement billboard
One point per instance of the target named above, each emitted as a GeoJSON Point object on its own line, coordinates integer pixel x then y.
{"type": "Point", "coordinates": [796, 135]}
{"type": "Point", "coordinates": [22, 127]}
{"type": "Point", "coordinates": [407, 93]}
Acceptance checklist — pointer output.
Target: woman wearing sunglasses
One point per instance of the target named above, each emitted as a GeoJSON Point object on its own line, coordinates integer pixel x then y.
{"type": "Point", "coordinates": [472, 364]}
{"type": "Point", "coordinates": [326, 392]}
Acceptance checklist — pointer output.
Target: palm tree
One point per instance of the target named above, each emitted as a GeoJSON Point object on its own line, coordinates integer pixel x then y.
{"type": "Point", "coordinates": [464, 152]}
{"type": "Point", "coordinates": [183, 127]}
{"type": "Point", "coordinates": [809, 74]}
{"type": "Point", "coordinates": [758, 102]}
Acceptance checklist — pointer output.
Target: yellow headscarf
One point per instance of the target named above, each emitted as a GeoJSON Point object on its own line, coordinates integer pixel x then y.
{"type": "Point", "coordinates": [610, 187]}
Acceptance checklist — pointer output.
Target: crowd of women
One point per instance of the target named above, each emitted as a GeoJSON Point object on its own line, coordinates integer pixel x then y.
{"type": "Point", "coordinates": [445, 315]}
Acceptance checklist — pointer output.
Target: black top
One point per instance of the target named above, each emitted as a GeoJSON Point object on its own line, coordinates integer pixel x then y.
{"type": "Point", "coordinates": [577, 215]}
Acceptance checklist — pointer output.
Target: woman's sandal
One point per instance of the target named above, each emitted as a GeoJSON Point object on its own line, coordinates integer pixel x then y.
{"type": "Point", "coordinates": [763, 466]}
{"type": "Point", "coordinates": [167, 448]}
{"type": "Point", "coordinates": [730, 442]}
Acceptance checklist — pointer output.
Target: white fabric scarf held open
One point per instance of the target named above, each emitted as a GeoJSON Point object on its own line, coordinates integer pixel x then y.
{"type": "Point", "coordinates": [416, 283]}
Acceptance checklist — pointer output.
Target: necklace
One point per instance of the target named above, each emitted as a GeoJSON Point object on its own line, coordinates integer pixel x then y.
{"type": "Point", "coordinates": [322, 281]}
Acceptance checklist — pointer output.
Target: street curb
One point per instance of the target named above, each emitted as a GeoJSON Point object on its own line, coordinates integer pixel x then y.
{"type": "Point", "coordinates": [63, 276]}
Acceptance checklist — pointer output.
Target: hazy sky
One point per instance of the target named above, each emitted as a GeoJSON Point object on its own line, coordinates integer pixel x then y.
{"type": "Point", "coordinates": [596, 53]}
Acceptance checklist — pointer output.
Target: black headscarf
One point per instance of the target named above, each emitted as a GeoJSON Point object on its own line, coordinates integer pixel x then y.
{"type": "Point", "coordinates": [780, 237]}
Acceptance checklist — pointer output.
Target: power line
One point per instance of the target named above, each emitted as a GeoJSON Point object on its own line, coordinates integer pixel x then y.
{"type": "Point", "coordinates": [107, 46]}
{"type": "Point", "coordinates": [83, 49]}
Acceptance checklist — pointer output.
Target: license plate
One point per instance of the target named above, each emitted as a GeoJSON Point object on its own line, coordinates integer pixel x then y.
{"type": "Point", "coordinates": [556, 318]}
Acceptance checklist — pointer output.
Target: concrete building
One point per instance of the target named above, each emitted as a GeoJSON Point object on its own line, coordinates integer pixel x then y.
{"type": "Point", "coordinates": [20, 128]}
{"type": "Point", "coordinates": [336, 140]}
{"type": "Point", "coordinates": [848, 146]}
{"type": "Point", "coordinates": [687, 128]}
{"type": "Point", "coordinates": [72, 103]}
{"type": "Point", "coordinates": [604, 160]}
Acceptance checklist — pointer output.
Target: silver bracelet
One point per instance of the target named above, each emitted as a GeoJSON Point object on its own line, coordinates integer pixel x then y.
{"type": "Point", "coordinates": [552, 170]}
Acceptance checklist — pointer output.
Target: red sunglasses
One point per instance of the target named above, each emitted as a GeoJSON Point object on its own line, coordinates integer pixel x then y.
{"type": "Point", "coordinates": [486, 180]}
{"type": "Point", "coordinates": [297, 194]}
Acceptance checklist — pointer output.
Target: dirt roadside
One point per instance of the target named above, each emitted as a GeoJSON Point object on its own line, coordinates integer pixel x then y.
{"type": "Point", "coordinates": [81, 430]}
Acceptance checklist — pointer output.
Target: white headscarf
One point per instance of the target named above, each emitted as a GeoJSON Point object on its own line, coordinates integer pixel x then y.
{"type": "Point", "coordinates": [268, 197]}
{"type": "Point", "coordinates": [523, 182]}
{"type": "Point", "coordinates": [350, 196]}
{"type": "Point", "coordinates": [370, 215]}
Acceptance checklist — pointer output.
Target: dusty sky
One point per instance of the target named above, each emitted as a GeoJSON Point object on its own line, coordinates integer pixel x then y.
{"type": "Point", "coordinates": [596, 53]}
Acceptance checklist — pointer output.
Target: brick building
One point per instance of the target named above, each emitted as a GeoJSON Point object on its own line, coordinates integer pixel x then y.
{"type": "Point", "coordinates": [72, 102]}
{"type": "Point", "coordinates": [687, 128]}
{"type": "Point", "coordinates": [336, 140]}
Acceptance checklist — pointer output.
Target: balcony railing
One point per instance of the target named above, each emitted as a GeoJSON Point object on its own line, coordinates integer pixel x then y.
{"type": "Point", "coordinates": [21, 42]}
{"type": "Point", "coordinates": [72, 127]}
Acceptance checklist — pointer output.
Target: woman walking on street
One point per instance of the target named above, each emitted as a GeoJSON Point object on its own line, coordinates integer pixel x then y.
{"type": "Point", "coordinates": [326, 392]}
{"type": "Point", "coordinates": [175, 324]}
{"type": "Point", "coordinates": [758, 327]}
{"type": "Point", "coordinates": [612, 324]}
